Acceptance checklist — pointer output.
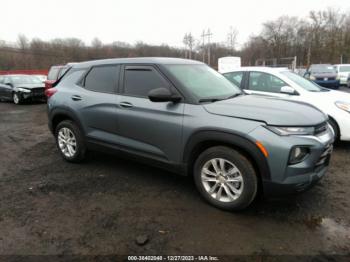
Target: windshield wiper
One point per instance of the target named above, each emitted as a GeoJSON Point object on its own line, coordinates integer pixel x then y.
{"type": "Point", "coordinates": [202, 100]}
{"type": "Point", "coordinates": [234, 95]}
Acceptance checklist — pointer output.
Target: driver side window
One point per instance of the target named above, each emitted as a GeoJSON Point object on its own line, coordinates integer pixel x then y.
{"type": "Point", "coordinates": [265, 82]}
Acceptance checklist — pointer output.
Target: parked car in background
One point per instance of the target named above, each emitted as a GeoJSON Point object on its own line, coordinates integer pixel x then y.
{"type": "Point", "coordinates": [324, 75]}
{"type": "Point", "coordinates": [42, 78]}
{"type": "Point", "coordinates": [288, 85]}
{"type": "Point", "coordinates": [185, 116]}
{"type": "Point", "coordinates": [343, 71]}
{"type": "Point", "coordinates": [55, 73]}
{"type": "Point", "coordinates": [20, 88]}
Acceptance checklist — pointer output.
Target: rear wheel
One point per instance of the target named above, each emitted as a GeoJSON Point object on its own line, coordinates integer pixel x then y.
{"type": "Point", "coordinates": [225, 178]}
{"type": "Point", "coordinates": [70, 141]}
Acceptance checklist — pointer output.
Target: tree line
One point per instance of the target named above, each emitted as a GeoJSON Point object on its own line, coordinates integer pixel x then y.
{"type": "Point", "coordinates": [321, 37]}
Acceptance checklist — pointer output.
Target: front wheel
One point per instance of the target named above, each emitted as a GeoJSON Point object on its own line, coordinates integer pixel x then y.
{"type": "Point", "coordinates": [70, 141]}
{"type": "Point", "coordinates": [16, 98]}
{"type": "Point", "coordinates": [225, 178]}
{"type": "Point", "coordinates": [335, 128]}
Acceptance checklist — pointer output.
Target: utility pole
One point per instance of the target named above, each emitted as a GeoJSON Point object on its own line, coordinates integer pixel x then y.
{"type": "Point", "coordinates": [209, 34]}
{"type": "Point", "coordinates": [203, 44]}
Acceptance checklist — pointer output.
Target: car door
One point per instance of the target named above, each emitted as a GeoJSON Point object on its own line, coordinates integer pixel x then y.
{"type": "Point", "coordinates": [261, 83]}
{"type": "Point", "coordinates": [95, 102]}
{"type": "Point", "coordinates": [145, 127]}
{"type": "Point", "coordinates": [7, 88]}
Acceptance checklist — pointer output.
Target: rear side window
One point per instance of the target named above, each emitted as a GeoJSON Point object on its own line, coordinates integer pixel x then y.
{"type": "Point", "coordinates": [103, 79]}
{"type": "Point", "coordinates": [53, 73]}
{"type": "Point", "coordinates": [139, 81]}
{"type": "Point", "coordinates": [235, 77]}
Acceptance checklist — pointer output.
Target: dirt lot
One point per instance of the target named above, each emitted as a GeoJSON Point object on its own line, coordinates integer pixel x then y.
{"type": "Point", "coordinates": [48, 206]}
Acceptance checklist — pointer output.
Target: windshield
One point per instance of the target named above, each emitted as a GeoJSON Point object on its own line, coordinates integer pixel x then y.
{"type": "Point", "coordinates": [322, 69]}
{"type": "Point", "coordinates": [304, 83]}
{"type": "Point", "coordinates": [25, 80]}
{"type": "Point", "coordinates": [344, 68]}
{"type": "Point", "coordinates": [203, 82]}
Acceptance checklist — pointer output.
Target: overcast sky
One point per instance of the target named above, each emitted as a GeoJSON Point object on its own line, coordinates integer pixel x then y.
{"type": "Point", "coordinates": [150, 21]}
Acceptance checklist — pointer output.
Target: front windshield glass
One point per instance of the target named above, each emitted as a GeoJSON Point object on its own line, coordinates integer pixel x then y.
{"type": "Point", "coordinates": [203, 82]}
{"type": "Point", "coordinates": [25, 80]}
{"type": "Point", "coordinates": [323, 69]}
{"type": "Point", "coordinates": [302, 82]}
{"type": "Point", "coordinates": [344, 68]}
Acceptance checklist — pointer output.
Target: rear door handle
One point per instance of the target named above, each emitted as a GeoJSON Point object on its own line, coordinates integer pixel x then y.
{"type": "Point", "coordinates": [125, 104]}
{"type": "Point", "coordinates": [76, 98]}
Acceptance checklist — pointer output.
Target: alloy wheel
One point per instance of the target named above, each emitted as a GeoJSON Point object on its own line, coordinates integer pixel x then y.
{"type": "Point", "coordinates": [222, 180]}
{"type": "Point", "coordinates": [67, 142]}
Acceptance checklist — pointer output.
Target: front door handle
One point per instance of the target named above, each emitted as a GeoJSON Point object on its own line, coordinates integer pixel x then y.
{"type": "Point", "coordinates": [125, 104]}
{"type": "Point", "coordinates": [76, 98]}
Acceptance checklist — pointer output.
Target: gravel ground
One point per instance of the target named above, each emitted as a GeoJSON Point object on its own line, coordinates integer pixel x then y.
{"type": "Point", "coordinates": [101, 207]}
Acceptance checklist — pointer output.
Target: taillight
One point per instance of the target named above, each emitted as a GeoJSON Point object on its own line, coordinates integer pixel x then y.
{"type": "Point", "coordinates": [50, 92]}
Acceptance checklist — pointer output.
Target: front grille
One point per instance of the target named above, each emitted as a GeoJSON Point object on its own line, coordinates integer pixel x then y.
{"type": "Point", "coordinates": [38, 91]}
{"type": "Point", "coordinates": [325, 78]}
{"type": "Point", "coordinates": [325, 156]}
{"type": "Point", "coordinates": [321, 128]}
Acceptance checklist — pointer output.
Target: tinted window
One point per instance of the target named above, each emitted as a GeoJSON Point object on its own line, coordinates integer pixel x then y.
{"type": "Point", "coordinates": [53, 73]}
{"type": "Point", "coordinates": [259, 81]}
{"type": "Point", "coordinates": [102, 79]}
{"type": "Point", "coordinates": [138, 82]}
{"type": "Point", "coordinates": [235, 77]}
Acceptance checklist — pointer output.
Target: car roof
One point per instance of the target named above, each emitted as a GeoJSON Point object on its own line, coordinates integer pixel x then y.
{"type": "Point", "coordinates": [260, 69]}
{"type": "Point", "coordinates": [137, 60]}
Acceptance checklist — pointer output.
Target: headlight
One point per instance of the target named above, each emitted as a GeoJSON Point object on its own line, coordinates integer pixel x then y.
{"type": "Point", "coordinates": [288, 131]}
{"type": "Point", "coordinates": [312, 77]}
{"type": "Point", "coordinates": [24, 90]}
{"type": "Point", "coordinates": [343, 105]}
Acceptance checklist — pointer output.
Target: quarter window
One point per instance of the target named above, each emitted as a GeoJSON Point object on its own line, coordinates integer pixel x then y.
{"type": "Point", "coordinates": [102, 79]}
{"type": "Point", "coordinates": [264, 82]}
{"type": "Point", "coordinates": [139, 81]}
{"type": "Point", "coordinates": [235, 77]}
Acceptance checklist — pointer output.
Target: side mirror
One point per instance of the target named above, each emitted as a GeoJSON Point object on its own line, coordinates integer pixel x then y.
{"type": "Point", "coordinates": [8, 84]}
{"type": "Point", "coordinates": [288, 90]}
{"type": "Point", "coordinates": [163, 95]}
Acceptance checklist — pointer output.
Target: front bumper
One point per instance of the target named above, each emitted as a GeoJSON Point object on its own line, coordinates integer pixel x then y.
{"type": "Point", "coordinates": [295, 184]}
{"type": "Point", "coordinates": [328, 83]}
{"type": "Point", "coordinates": [288, 178]}
{"type": "Point", "coordinates": [34, 96]}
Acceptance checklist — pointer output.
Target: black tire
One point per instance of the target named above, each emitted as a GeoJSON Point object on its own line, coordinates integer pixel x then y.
{"type": "Point", "coordinates": [246, 169]}
{"type": "Point", "coordinates": [16, 98]}
{"type": "Point", "coordinates": [80, 149]}
{"type": "Point", "coordinates": [335, 127]}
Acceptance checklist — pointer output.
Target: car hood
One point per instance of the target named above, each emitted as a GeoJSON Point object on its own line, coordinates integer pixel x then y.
{"type": "Point", "coordinates": [30, 86]}
{"type": "Point", "coordinates": [330, 96]}
{"type": "Point", "coordinates": [272, 111]}
{"type": "Point", "coordinates": [324, 74]}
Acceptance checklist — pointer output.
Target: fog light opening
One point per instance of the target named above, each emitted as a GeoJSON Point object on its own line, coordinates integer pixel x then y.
{"type": "Point", "coordinates": [298, 154]}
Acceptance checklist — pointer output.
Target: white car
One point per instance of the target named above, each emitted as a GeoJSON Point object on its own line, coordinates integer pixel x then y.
{"type": "Point", "coordinates": [283, 83]}
{"type": "Point", "coordinates": [343, 71]}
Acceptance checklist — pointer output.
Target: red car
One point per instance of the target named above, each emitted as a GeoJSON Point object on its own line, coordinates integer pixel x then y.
{"type": "Point", "coordinates": [55, 73]}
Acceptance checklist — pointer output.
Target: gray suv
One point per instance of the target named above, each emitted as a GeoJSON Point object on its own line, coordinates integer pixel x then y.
{"type": "Point", "coordinates": [186, 117]}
